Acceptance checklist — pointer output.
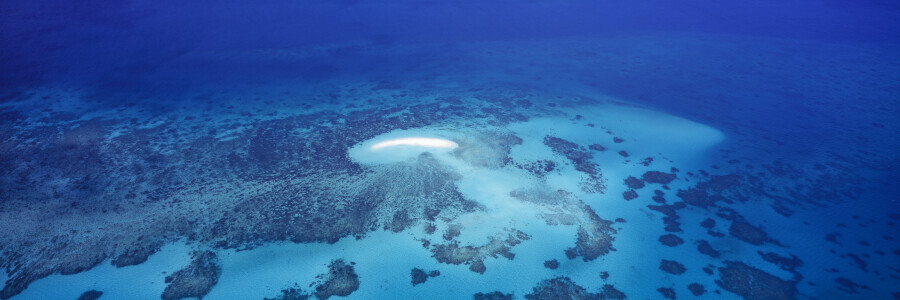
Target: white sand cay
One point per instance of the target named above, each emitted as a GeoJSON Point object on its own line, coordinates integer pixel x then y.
{"type": "Point", "coordinates": [404, 145]}
{"type": "Point", "coordinates": [415, 141]}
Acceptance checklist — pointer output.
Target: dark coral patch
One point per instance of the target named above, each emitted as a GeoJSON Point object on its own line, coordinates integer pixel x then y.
{"type": "Point", "coordinates": [453, 253]}
{"type": "Point", "coordinates": [90, 295]}
{"type": "Point", "coordinates": [611, 293]}
{"type": "Point", "coordinates": [671, 215]}
{"type": "Point", "coordinates": [658, 177]}
{"type": "Point", "coordinates": [137, 255]}
{"type": "Point", "coordinates": [754, 284]}
{"type": "Point", "coordinates": [634, 183]}
{"type": "Point", "coordinates": [672, 267]}
{"type": "Point", "coordinates": [715, 189]}
{"type": "Point", "coordinates": [495, 295]}
{"type": "Point", "coordinates": [670, 240]}
{"type": "Point", "coordinates": [418, 276]}
{"type": "Point", "coordinates": [696, 289]}
{"type": "Point", "coordinates": [583, 161]}
{"type": "Point", "coordinates": [560, 288]}
{"type": "Point", "coordinates": [849, 286]}
{"type": "Point", "coordinates": [708, 223]}
{"type": "Point", "coordinates": [580, 157]}
{"type": "Point", "coordinates": [551, 264]}
{"type": "Point", "coordinates": [658, 197]}
{"type": "Point", "coordinates": [596, 147]}
{"type": "Point", "coordinates": [858, 262]}
{"type": "Point", "coordinates": [478, 266]}
{"type": "Point", "coordinates": [629, 195]}
{"type": "Point", "coordinates": [833, 237]}
{"type": "Point", "coordinates": [746, 232]}
{"type": "Point", "coordinates": [695, 196]}
{"type": "Point", "coordinates": [291, 294]}
{"type": "Point", "coordinates": [538, 167]}
{"type": "Point", "coordinates": [789, 264]}
{"type": "Point", "coordinates": [196, 279]}
{"type": "Point", "coordinates": [341, 280]}
{"type": "Point", "coordinates": [704, 247]}
{"type": "Point", "coordinates": [668, 293]}
{"type": "Point", "coordinates": [565, 288]}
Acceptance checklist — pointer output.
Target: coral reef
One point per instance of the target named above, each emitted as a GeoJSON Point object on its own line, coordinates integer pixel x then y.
{"type": "Point", "coordinates": [419, 275]}
{"type": "Point", "coordinates": [672, 267]}
{"type": "Point", "coordinates": [157, 180]}
{"type": "Point", "coordinates": [560, 288]}
{"type": "Point", "coordinates": [582, 159]}
{"type": "Point", "coordinates": [455, 254]}
{"type": "Point", "coordinates": [495, 295]}
{"type": "Point", "coordinates": [670, 240]}
{"type": "Point", "coordinates": [697, 289]}
{"type": "Point", "coordinates": [704, 247]}
{"type": "Point", "coordinates": [551, 264]}
{"type": "Point", "coordinates": [341, 280]}
{"type": "Point", "coordinates": [90, 295]}
{"type": "Point", "coordinates": [196, 279]}
{"type": "Point", "coordinates": [668, 293]}
{"type": "Point", "coordinates": [658, 177]}
{"type": "Point", "coordinates": [595, 235]}
{"type": "Point", "coordinates": [291, 294]}
{"type": "Point", "coordinates": [754, 284]}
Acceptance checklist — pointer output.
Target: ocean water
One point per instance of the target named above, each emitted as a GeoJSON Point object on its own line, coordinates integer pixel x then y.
{"type": "Point", "coordinates": [449, 149]}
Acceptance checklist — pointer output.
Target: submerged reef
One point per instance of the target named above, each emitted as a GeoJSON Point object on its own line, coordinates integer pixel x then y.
{"type": "Point", "coordinates": [565, 288]}
{"type": "Point", "coordinates": [341, 280]}
{"type": "Point", "coordinates": [291, 294]}
{"type": "Point", "coordinates": [455, 254]}
{"type": "Point", "coordinates": [286, 177]}
{"type": "Point", "coordinates": [672, 267]}
{"type": "Point", "coordinates": [196, 279]}
{"type": "Point", "coordinates": [80, 190]}
{"type": "Point", "coordinates": [697, 289]}
{"type": "Point", "coordinates": [754, 284]}
{"type": "Point", "coordinates": [670, 240]}
{"type": "Point", "coordinates": [582, 159]}
{"type": "Point", "coordinates": [91, 295]}
{"type": "Point", "coordinates": [419, 276]}
{"type": "Point", "coordinates": [594, 234]}
{"type": "Point", "coordinates": [495, 295]}
{"type": "Point", "coordinates": [668, 293]}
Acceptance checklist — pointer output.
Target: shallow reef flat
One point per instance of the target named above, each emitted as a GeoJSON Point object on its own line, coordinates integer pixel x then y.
{"type": "Point", "coordinates": [532, 193]}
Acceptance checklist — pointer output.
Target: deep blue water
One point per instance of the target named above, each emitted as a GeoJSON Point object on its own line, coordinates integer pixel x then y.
{"type": "Point", "coordinates": [806, 95]}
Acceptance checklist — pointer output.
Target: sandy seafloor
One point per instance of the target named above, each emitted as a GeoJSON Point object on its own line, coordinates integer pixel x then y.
{"type": "Point", "coordinates": [799, 172]}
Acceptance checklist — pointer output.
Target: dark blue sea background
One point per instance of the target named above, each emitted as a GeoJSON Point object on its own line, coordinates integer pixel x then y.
{"type": "Point", "coordinates": [806, 94]}
{"type": "Point", "coordinates": [824, 54]}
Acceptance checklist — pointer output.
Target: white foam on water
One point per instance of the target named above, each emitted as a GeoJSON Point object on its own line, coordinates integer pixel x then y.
{"type": "Point", "coordinates": [416, 142]}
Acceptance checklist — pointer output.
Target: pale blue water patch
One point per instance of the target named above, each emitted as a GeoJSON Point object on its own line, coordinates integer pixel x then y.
{"type": "Point", "coordinates": [143, 281]}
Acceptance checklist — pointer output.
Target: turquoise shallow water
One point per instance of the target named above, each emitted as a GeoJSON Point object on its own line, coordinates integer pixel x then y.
{"type": "Point", "coordinates": [226, 152]}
